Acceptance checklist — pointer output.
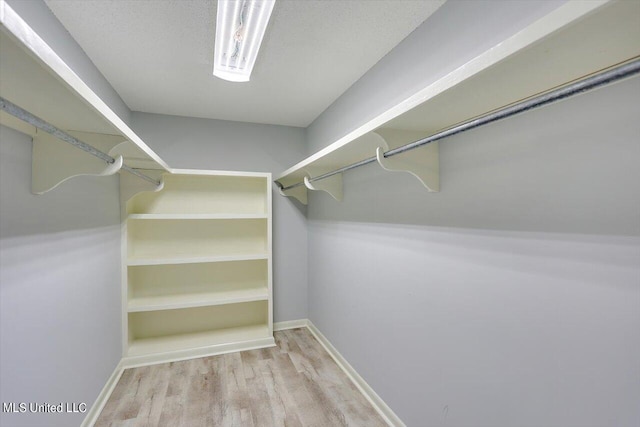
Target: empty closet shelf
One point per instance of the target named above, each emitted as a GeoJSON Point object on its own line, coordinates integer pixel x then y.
{"type": "Point", "coordinates": [193, 259]}
{"type": "Point", "coordinates": [169, 239]}
{"type": "Point", "coordinates": [209, 193]}
{"type": "Point", "coordinates": [197, 340]}
{"type": "Point", "coordinates": [198, 216]}
{"type": "Point", "coordinates": [168, 302]}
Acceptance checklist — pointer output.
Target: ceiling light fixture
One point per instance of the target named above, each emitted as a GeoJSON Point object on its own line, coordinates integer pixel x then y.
{"type": "Point", "coordinates": [240, 27]}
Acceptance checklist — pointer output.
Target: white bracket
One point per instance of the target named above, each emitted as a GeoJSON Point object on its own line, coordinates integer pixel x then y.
{"type": "Point", "coordinates": [55, 161]}
{"type": "Point", "coordinates": [136, 158]}
{"type": "Point", "coordinates": [423, 163]}
{"type": "Point", "coordinates": [332, 185]}
{"type": "Point", "coordinates": [299, 193]}
{"type": "Point", "coordinates": [130, 185]}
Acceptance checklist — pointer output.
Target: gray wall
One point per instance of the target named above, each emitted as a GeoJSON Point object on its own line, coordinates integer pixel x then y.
{"type": "Point", "coordinates": [510, 298]}
{"type": "Point", "coordinates": [46, 25]}
{"type": "Point", "coordinates": [193, 143]}
{"type": "Point", "coordinates": [456, 33]}
{"type": "Point", "coordinates": [59, 287]}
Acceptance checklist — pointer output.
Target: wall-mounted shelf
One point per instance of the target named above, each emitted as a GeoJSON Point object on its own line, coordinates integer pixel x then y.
{"type": "Point", "coordinates": [36, 79]}
{"type": "Point", "coordinates": [574, 41]}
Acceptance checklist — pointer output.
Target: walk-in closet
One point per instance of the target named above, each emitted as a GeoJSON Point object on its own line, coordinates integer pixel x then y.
{"type": "Point", "coordinates": [318, 213]}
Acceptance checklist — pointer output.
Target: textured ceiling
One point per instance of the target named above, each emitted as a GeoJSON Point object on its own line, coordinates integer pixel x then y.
{"type": "Point", "coordinates": [158, 54]}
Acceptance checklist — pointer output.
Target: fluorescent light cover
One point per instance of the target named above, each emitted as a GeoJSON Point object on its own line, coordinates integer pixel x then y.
{"type": "Point", "coordinates": [240, 27]}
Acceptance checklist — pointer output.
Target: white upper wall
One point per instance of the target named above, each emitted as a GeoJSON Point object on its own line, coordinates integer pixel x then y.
{"type": "Point", "coordinates": [452, 36]}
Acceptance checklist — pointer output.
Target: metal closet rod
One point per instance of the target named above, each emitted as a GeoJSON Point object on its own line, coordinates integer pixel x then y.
{"type": "Point", "coordinates": [589, 83]}
{"type": "Point", "coordinates": [27, 117]}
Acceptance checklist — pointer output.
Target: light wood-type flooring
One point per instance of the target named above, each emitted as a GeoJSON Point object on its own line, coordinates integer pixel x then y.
{"type": "Point", "coordinates": [296, 383]}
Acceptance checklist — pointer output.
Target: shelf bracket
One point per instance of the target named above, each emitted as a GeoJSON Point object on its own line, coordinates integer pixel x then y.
{"type": "Point", "coordinates": [298, 193]}
{"type": "Point", "coordinates": [136, 158]}
{"type": "Point", "coordinates": [130, 185]}
{"type": "Point", "coordinates": [55, 161]}
{"type": "Point", "coordinates": [423, 162]}
{"type": "Point", "coordinates": [331, 185]}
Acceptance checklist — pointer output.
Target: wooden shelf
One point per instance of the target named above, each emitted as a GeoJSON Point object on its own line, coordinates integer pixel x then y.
{"type": "Point", "coordinates": [171, 302]}
{"type": "Point", "coordinates": [190, 341]}
{"type": "Point", "coordinates": [197, 216]}
{"type": "Point", "coordinates": [195, 259]}
{"type": "Point", "coordinates": [573, 41]}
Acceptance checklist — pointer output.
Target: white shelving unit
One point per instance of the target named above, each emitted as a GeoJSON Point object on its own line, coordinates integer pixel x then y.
{"type": "Point", "coordinates": [197, 267]}
{"type": "Point", "coordinates": [576, 40]}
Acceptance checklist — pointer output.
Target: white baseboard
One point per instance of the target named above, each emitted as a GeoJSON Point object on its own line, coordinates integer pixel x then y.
{"type": "Point", "coordinates": [376, 401]}
{"type": "Point", "coordinates": [93, 413]}
{"type": "Point", "coordinates": [290, 324]}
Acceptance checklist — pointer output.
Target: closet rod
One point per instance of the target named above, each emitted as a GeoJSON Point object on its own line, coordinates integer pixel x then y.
{"type": "Point", "coordinates": [611, 75]}
{"type": "Point", "coordinates": [27, 117]}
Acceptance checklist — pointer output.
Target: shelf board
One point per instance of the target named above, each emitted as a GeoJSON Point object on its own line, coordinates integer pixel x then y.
{"type": "Point", "coordinates": [145, 346]}
{"type": "Point", "coordinates": [194, 260]}
{"type": "Point", "coordinates": [208, 172]}
{"type": "Point", "coordinates": [170, 302]}
{"type": "Point", "coordinates": [196, 216]}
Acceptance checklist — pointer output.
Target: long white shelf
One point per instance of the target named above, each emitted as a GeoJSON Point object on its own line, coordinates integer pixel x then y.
{"type": "Point", "coordinates": [575, 40]}
{"type": "Point", "coordinates": [194, 341]}
{"type": "Point", "coordinates": [170, 302]}
{"type": "Point", "coordinates": [197, 216]}
{"type": "Point", "coordinates": [193, 260]}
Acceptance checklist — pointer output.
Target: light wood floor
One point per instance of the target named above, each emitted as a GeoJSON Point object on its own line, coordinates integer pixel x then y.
{"type": "Point", "coordinates": [294, 384]}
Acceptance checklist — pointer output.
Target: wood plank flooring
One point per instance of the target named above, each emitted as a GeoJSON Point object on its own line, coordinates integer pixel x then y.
{"type": "Point", "coordinates": [294, 384]}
